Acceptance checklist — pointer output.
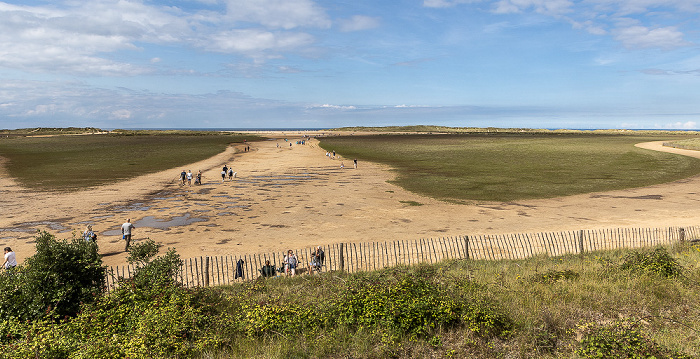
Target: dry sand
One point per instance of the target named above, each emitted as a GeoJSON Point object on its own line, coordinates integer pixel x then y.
{"type": "Point", "coordinates": [293, 197]}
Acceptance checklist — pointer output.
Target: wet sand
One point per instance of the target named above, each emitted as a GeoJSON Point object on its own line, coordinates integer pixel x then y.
{"type": "Point", "coordinates": [293, 197]}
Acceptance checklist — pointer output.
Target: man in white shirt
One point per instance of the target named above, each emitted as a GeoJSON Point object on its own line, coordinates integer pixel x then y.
{"type": "Point", "coordinates": [10, 260]}
{"type": "Point", "coordinates": [126, 233]}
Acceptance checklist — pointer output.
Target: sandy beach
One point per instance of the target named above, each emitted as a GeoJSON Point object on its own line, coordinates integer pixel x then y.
{"type": "Point", "coordinates": [292, 197]}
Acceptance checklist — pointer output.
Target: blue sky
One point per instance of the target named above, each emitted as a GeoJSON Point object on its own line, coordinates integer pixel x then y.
{"type": "Point", "coordinates": [319, 64]}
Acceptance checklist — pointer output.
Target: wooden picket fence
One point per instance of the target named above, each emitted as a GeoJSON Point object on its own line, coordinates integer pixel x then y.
{"type": "Point", "coordinates": [366, 256]}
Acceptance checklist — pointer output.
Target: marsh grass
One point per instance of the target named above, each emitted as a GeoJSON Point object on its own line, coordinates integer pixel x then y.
{"type": "Point", "coordinates": [61, 163]}
{"type": "Point", "coordinates": [688, 144]}
{"type": "Point", "coordinates": [506, 167]}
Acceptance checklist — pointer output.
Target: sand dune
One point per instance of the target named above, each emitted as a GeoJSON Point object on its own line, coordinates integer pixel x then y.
{"type": "Point", "coordinates": [291, 197]}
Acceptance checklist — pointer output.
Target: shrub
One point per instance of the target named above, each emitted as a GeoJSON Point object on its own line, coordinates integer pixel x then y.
{"type": "Point", "coordinates": [149, 272]}
{"type": "Point", "coordinates": [409, 305]}
{"type": "Point", "coordinates": [621, 339]}
{"type": "Point", "coordinates": [56, 280]}
{"type": "Point", "coordinates": [657, 261]}
{"type": "Point", "coordinates": [486, 319]}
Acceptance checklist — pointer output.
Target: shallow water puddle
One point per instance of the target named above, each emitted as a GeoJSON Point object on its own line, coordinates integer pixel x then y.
{"type": "Point", "coordinates": [152, 222]}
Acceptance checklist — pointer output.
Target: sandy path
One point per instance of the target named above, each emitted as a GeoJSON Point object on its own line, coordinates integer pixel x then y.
{"type": "Point", "coordinates": [292, 197]}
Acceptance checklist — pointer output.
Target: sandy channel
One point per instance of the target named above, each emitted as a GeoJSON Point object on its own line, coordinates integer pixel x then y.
{"type": "Point", "coordinates": [293, 197]}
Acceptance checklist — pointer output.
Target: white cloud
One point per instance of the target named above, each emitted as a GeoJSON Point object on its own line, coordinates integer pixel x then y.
{"type": "Point", "coordinates": [626, 7]}
{"type": "Point", "coordinates": [358, 23]}
{"type": "Point", "coordinates": [332, 107]}
{"type": "Point", "coordinates": [446, 3]}
{"type": "Point", "coordinates": [643, 37]}
{"type": "Point", "coordinates": [284, 14]}
{"type": "Point", "coordinates": [76, 37]}
{"type": "Point", "coordinates": [73, 40]}
{"type": "Point", "coordinates": [256, 41]}
{"type": "Point", "coordinates": [121, 114]}
{"type": "Point", "coordinates": [548, 7]}
{"type": "Point", "coordinates": [689, 125]}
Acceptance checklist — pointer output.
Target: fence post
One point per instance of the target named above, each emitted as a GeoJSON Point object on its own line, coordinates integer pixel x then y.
{"type": "Point", "coordinates": [681, 234]}
{"type": "Point", "coordinates": [466, 247]}
{"type": "Point", "coordinates": [341, 260]}
{"type": "Point", "coordinates": [206, 271]}
{"type": "Point", "coordinates": [580, 242]}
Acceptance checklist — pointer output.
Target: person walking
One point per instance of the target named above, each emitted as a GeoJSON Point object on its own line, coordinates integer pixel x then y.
{"type": "Point", "coordinates": [10, 259]}
{"type": "Point", "coordinates": [354, 162]}
{"type": "Point", "coordinates": [89, 235]}
{"type": "Point", "coordinates": [126, 233]}
{"type": "Point", "coordinates": [189, 177]}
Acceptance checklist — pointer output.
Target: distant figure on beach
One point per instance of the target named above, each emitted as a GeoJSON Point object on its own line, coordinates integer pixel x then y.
{"type": "Point", "coordinates": [268, 270]}
{"type": "Point", "coordinates": [230, 174]}
{"type": "Point", "coordinates": [10, 259]}
{"type": "Point", "coordinates": [198, 179]}
{"type": "Point", "coordinates": [342, 165]}
{"type": "Point", "coordinates": [317, 259]}
{"type": "Point", "coordinates": [89, 235]}
{"type": "Point", "coordinates": [189, 177]}
{"type": "Point", "coordinates": [126, 233]}
{"type": "Point", "coordinates": [183, 175]}
{"type": "Point", "coordinates": [290, 263]}
{"type": "Point", "coordinates": [223, 175]}
{"type": "Point", "coordinates": [354, 162]}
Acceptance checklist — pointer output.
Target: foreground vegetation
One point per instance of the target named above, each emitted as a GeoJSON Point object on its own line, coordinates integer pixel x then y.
{"type": "Point", "coordinates": [622, 304]}
{"type": "Point", "coordinates": [76, 162]}
{"type": "Point", "coordinates": [511, 166]}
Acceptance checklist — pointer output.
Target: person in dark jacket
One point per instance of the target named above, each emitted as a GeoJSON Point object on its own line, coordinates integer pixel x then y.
{"type": "Point", "coordinates": [268, 270]}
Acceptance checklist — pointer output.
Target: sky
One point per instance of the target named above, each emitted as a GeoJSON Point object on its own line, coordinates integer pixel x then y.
{"type": "Point", "coordinates": [614, 64]}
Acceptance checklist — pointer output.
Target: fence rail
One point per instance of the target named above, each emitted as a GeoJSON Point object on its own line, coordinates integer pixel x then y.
{"type": "Point", "coordinates": [355, 257]}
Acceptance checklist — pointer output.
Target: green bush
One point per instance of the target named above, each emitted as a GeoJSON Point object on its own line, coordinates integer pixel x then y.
{"type": "Point", "coordinates": [657, 261]}
{"type": "Point", "coordinates": [485, 318]}
{"type": "Point", "coordinates": [138, 319]}
{"type": "Point", "coordinates": [149, 271]}
{"type": "Point", "coordinates": [410, 305]}
{"type": "Point", "coordinates": [55, 281]}
{"type": "Point", "coordinates": [621, 339]}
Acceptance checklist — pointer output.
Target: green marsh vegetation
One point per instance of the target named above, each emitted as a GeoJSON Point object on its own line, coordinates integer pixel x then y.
{"type": "Point", "coordinates": [619, 304]}
{"type": "Point", "coordinates": [68, 162]}
{"type": "Point", "coordinates": [504, 166]}
{"type": "Point", "coordinates": [688, 144]}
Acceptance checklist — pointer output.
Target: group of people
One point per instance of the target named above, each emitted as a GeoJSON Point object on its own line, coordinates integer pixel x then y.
{"type": "Point", "coordinates": [291, 263]}
{"type": "Point", "coordinates": [228, 171]}
{"type": "Point", "coordinates": [331, 155]}
{"type": "Point", "coordinates": [186, 178]}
